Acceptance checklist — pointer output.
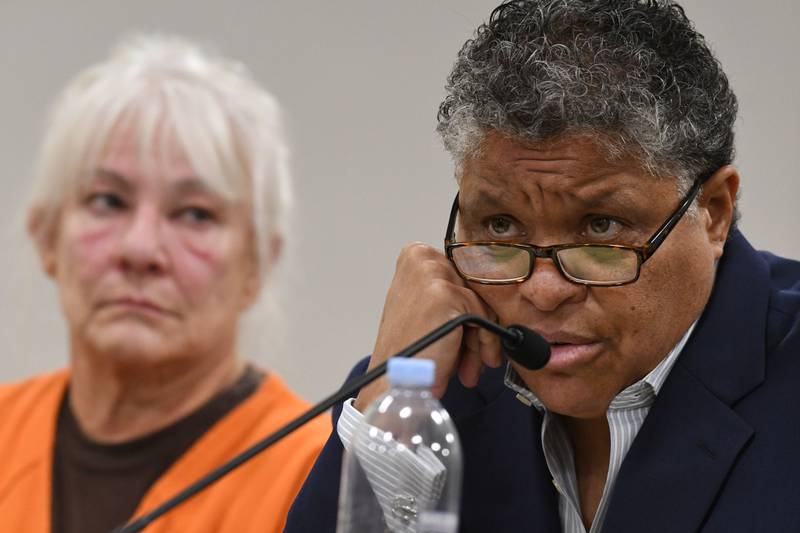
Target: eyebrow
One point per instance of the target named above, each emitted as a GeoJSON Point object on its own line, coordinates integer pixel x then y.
{"type": "Point", "coordinates": [483, 200]}
{"type": "Point", "coordinates": [115, 178]}
{"type": "Point", "coordinates": [192, 184]}
{"type": "Point", "coordinates": [615, 196]}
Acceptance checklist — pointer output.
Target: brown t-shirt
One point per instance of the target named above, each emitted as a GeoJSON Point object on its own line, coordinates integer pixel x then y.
{"type": "Point", "coordinates": [97, 487]}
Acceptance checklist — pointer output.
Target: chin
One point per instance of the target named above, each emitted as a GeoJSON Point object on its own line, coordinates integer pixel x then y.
{"type": "Point", "coordinates": [570, 397]}
{"type": "Point", "coordinates": [133, 345]}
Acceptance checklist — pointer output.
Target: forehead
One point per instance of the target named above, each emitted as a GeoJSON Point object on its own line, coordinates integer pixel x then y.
{"type": "Point", "coordinates": [158, 159]}
{"type": "Point", "coordinates": [161, 157]}
{"type": "Point", "coordinates": [572, 169]}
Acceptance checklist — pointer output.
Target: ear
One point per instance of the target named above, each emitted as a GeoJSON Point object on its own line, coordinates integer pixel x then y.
{"type": "Point", "coordinates": [717, 203]}
{"type": "Point", "coordinates": [42, 230]}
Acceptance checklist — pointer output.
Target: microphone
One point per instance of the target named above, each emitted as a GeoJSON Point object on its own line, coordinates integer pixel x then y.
{"type": "Point", "coordinates": [529, 349]}
{"type": "Point", "coordinates": [519, 343]}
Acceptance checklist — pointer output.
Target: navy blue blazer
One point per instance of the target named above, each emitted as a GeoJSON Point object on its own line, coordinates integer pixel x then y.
{"type": "Point", "coordinates": [718, 452]}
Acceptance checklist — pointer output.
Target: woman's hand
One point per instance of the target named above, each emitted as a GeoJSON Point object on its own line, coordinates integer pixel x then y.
{"type": "Point", "coordinates": [425, 293]}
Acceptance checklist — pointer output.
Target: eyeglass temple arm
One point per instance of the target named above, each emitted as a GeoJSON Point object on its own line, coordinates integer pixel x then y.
{"type": "Point", "coordinates": [662, 232]}
{"type": "Point", "coordinates": [451, 222]}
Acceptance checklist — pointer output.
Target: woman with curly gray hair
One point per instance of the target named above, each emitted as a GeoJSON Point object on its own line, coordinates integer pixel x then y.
{"type": "Point", "coordinates": [593, 142]}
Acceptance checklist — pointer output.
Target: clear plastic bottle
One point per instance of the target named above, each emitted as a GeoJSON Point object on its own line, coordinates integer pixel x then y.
{"type": "Point", "coordinates": [401, 471]}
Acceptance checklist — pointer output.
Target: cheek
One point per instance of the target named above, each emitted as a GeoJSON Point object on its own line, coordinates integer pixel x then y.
{"type": "Point", "coordinates": [626, 315]}
{"type": "Point", "coordinates": [89, 252]}
{"type": "Point", "coordinates": [201, 264]}
{"type": "Point", "coordinates": [658, 308]}
{"type": "Point", "coordinates": [504, 300]}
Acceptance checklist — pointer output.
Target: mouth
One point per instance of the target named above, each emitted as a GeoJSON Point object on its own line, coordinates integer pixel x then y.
{"type": "Point", "coordinates": [564, 356]}
{"type": "Point", "coordinates": [568, 351]}
{"type": "Point", "coordinates": [136, 305]}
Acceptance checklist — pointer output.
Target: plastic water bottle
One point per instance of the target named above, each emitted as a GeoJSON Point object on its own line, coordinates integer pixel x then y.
{"type": "Point", "coordinates": [402, 467]}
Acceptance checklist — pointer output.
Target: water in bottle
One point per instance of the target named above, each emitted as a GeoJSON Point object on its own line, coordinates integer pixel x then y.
{"type": "Point", "coordinates": [401, 471]}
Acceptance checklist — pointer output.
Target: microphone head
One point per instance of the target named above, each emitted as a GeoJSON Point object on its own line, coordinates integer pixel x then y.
{"type": "Point", "coordinates": [529, 349]}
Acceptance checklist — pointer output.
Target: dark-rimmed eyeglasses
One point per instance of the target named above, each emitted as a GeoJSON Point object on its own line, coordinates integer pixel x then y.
{"type": "Point", "coordinates": [605, 265]}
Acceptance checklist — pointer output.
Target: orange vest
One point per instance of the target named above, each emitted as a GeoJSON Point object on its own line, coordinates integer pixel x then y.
{"type": "Point", "coordinates": [253, 498]}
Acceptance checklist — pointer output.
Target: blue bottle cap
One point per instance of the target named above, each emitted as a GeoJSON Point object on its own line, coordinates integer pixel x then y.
{"type": "Point", "coordinates": [405, 372]}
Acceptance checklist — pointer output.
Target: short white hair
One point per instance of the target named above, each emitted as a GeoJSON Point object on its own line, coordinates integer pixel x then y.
{"type": "Point", "coordinates": [166, 91]}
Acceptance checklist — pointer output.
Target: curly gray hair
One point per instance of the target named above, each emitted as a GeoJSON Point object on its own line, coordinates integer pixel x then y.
{"type": "Point", "coordinates": [634, 74]}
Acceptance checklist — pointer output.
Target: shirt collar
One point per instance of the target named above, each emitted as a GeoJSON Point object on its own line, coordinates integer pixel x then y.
{"type": "Point", "coordinates": [640, 394]}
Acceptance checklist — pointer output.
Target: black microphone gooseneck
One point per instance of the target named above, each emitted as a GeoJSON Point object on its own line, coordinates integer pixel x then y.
{"type": "Point", "coordinates": [519, 343]}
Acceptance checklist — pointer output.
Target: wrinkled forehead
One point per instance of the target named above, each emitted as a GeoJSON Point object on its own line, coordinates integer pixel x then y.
{"type": "Point", "coordinates": [574, 169]}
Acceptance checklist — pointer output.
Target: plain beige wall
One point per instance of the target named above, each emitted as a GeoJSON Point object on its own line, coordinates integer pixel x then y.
{"type": "Point", "coordinates": [360, 81]}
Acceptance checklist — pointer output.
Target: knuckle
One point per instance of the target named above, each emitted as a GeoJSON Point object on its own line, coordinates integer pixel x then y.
{"type": "Point", "coordinates": [435, 268]}
{"type": "Point", "coordinates": [424, 261]}
{"type": "Point", "coordinates": [440, 288]}
{"type": "Point", "coordinates": [412, 254]}
{"type": "Point", "coordinates": [415, 250]}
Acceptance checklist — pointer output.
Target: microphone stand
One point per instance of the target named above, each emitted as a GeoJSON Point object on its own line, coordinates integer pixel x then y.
{"type": "Point", "coordinates": [512, 336]}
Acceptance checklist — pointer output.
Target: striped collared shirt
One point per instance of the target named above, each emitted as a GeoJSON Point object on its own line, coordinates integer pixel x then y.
{"type": "Point", "coordinates": [625, 415]}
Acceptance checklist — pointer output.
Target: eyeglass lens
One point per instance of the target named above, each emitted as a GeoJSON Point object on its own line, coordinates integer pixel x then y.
{"type": "Point", "coordinates": [600, 264]}
{"type": "Point", "coordinates": [497, 262]}
{"type": "Point", "coordinates": [492, 262]}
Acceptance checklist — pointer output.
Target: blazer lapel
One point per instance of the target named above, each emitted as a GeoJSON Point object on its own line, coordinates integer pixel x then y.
{"type": "Point", "coordinates": [692, 436]}
{"type": "Point", "coordinates": [507, 486]}
{"type": "Point", "coordinates": [678, 462]}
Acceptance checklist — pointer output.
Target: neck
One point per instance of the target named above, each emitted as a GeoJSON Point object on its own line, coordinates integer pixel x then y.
{"type": "Point", "coordinates": [116, 403]}
{"type": "Point", "coordinates": [591, 443]}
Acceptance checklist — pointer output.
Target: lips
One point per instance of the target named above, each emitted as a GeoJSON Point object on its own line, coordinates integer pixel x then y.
{"type": "Point", "coordinates": [136, 304]}
{"type": "Point", "coordinates": [564, 357]}
{"type": "Point", "coordinates": [569, 350]}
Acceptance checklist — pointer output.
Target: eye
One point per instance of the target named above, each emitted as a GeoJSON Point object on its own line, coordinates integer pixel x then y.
{"type": "Point", "coordinates": [105, 202]}
{"type": "Point", "coordinates": [196, 215]}
{"type": "Point", "coordinates": [500, 227]}
{"type": "Point", "coordinates": [601, 227]}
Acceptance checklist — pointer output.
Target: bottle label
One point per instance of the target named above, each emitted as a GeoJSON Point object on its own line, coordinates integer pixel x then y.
{"type": "Point", "coordinates": [437, 522]}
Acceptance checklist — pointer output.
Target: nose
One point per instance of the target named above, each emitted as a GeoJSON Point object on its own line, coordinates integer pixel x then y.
{"type": "Point", "coordinates": [141, 248]}
{"type": "Point", "coordinates": [547, 289]}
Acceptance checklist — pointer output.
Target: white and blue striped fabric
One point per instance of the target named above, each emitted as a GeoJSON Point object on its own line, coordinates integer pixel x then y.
{"type": "Point", "coordinates": [403, 480]}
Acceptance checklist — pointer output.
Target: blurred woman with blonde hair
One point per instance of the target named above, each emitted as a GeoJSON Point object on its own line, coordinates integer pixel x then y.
{"type": "Point", "coordinates": [158, 211]}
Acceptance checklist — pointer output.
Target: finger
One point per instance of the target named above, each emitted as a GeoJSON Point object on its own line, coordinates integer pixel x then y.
{"type": "Point", "coordinates": [482, 343]}
{"type": "Point", "coordinates": [489, 348]}
{"type": "Point", "coordinates": [440, 267]}
{"type": "Point", "coordinates": [418, 257]}
{"type": "Point", "coordinates": [487, 343]}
